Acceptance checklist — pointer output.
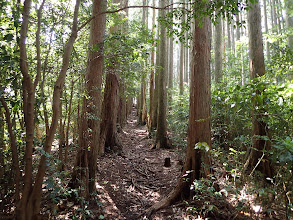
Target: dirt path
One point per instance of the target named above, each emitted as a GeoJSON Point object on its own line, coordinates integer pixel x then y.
{"type": "Point", "coordinates": [133, 181]}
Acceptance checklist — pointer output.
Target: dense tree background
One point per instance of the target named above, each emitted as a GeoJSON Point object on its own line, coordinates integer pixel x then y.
{"type": "Point", "coordinates": [209, 79]}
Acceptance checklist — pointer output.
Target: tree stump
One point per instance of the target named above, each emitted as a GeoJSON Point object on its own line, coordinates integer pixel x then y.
{"type": "Point", "coordinates": [167, 162]}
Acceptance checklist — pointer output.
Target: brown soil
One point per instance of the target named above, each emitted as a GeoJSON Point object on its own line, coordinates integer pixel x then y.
{"type": "Point", "coordinates": [131, 182]}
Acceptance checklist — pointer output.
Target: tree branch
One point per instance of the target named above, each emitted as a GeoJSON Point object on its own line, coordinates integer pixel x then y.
{"type": "Point", "coordinates": [167, 7]}
{"type": "Point", "coordinates": [37, 79]}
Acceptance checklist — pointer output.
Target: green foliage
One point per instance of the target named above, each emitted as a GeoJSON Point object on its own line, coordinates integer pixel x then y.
{"type": "Point", "coordinates": [202, 146]}
{"type": "Point", "coordinates": [178, 117]}
{"type": "Point", "coordinates": [232, 109]}
{"type": "Point", "coordinates": [128, 53]}
{"type": "Point", "coordinates": [179, 21]}
{"type": "Point", "coordinates": [284, 152]}
{"type": "Point", "coordinates": [282, 61]}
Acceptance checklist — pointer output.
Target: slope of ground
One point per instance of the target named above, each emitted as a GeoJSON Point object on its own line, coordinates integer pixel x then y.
{"type": "Point", "coordinates": [134, 180]}
{"type": "Point", "coordinates": [130, 182]}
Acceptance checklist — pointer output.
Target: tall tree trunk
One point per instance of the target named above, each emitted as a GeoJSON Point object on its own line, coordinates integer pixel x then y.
{"type": "Point", "coordinates": [68, 124]}
{"type": "Point", "coordinates": [61, 136]}
{"type": "Point", "coordinates": [29, 205]}
{"type": "Point", "coordinates": [152, 77]}
{"type": "Point", "coordinates": [232, 37]}
{"type": "Point", "coordinates": [275, 17]}
{"type": "Point", "coordinates": [90, 129]}
{"type": "Point", "coordinates": [2, 146]}
{"type": "Point", "coordinates": [266, 29]}
{"type": "Point", "coordinates": [23, 211]}
{"type": "Point", "coordinates": [257, 69]}
{"type": "Point", "coordinates": [140, 101]}
{"type": "Point", "coordinates": [171, 60]}
{"type": "Point", "coordinates": [289, 22]}
{"type": "Point", "coordinates": [272, 15]}
{"type": "Point", "coordinates": [156, 90]}
{"type": "Point", "coordinates": [186, 73]}
{"type": "Point", "coordinates": [199, 127]}
{"type": "Point", "coordinates": [122, 114]}
{"type": "Point", "coordinates": [143, 104]}
{"type": "Point", "coordinates": [13, 147]}
{"type": "Point", "coordinates": [181, 71]}
{"type": "Point", "coordinates": [279, 16]}
{"type": "Point", "coordinates": [237, 27]}
{"type": "Point", "coordinates": [122, 109]}
{"type": "Point", "coordinates": [44, 72]}
{"type": "Point", "coordinates": [108, 136]}
{"type": "Point", "coordinates": [161, 134]}
{"type": "Point", "coordinates": [218, 50]}
{"type": "Point", "coordinates": [228, 34]}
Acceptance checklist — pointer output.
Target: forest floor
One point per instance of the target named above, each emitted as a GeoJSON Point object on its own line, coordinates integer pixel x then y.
{"type": "Point", "coordinates": [130, 182]}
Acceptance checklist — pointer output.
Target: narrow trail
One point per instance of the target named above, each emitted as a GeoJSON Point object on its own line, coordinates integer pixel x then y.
{"type": "Point", "coordinates": [130, 183]}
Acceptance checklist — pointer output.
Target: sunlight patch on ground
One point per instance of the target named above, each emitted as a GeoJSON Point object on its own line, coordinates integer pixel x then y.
{"type": "Point", "coordinates": [104, 197]}
{"type": "Point", "coordinates": [245, 197]}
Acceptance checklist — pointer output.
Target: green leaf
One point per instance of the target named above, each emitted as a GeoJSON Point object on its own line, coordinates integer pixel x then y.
{"type": "Point", "coordinates": [202, 146]}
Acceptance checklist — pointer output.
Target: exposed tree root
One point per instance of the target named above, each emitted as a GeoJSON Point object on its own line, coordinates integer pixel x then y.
{"type": "Point", "coordinates": [166, 144]}
{"type": "Point", "coordinates": [172, 197]}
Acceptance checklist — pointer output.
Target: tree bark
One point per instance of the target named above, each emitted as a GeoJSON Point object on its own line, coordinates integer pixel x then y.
{"type": "Point", "coordinates": [28, 110]}
{"type": "Point", "coordinates": [161, 134]}
{"type": "Point", "coordinates": [61, 136]}
{"type": "Point", "coordinates": [13, 147]}
{"type": "Point", "coordinates": [218, 51]}
{"type": "Point", "coordinates": [228, 34]}
{"type": "Point", "coordinates": [156, 90]}
{"type": "Point", "coordinates": [237, 27]}
{"type": "Point", "coordinates": [152, 77]}
{"type": "Point", "coordinates": [142, 106]}
{"type": "Point", "coordinates": [68, 124]}
{"type": "Point", "coordinates": [171, 62]}
{"type": "Point", "coordinates": [199, 127]}
{"type": "Point", "coordinates": [108, 135]}
{"type": "Point", "coordinates": [266, 29]}
{"type": "Point", "coordinates": [289, 22]}
{"type": "Point", "coordinates": [181, 73]}
{"type": "Point", "coordinates": [122, 114]}
{"type": "Point", "coordinates": [29, 205]}
{"type": "Point", "coordinates": [186, 58]}
{"type": "Point", "coordinates": [257, 69]}
{"type": "Point", "coordinates": [233, 37]}
{"type": "Point", "coordinates": [90, 129]}
{"type": "Point", "coordinates": [2, 146]}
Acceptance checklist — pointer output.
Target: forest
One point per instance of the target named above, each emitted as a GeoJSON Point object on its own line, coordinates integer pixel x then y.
{"type": "Point", "coordinates": [146, 109]}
